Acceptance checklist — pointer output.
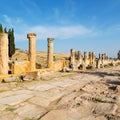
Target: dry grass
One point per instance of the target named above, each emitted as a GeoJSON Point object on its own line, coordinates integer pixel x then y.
{"type": "Point", "coordinates": [41, 57]}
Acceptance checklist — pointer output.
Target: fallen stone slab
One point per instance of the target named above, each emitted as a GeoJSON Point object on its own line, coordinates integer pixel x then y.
{"type": "Point", "coordinates": [11, 79]}
{"type": "Point", "coordinates": [28, 78]}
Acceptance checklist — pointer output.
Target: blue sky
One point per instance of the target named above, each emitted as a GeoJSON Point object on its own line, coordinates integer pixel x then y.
{"type": "Point", "coordinates": [86, 25]}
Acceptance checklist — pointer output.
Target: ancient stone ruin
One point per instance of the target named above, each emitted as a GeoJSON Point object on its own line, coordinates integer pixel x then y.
{"type": "Point", "coordinates": [32, 50]}
{"type": "Point", "coordinates": [88, 61]}
{"type": "Point", "coordinates": [3, 53]}
{"type": "Point", "coordinates": [76, 61]}
{"type": "Point", "coordinates": [119, 54]}
{"type": "Point", "coordinates": [50, 53]}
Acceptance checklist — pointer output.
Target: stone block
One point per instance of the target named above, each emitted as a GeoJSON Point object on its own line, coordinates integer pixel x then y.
{"type": "Point", "coordinates": [21, 67]}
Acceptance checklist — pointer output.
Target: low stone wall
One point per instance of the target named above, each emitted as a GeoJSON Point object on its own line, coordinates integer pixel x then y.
{"type": "Point", "coordinates": [20, 67]}
{"type": "Point", "coordinates": [58, 65]}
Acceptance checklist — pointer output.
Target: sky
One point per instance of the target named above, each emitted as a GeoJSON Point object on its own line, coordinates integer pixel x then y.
{"type": "Point", "coordinates": [85, 25]}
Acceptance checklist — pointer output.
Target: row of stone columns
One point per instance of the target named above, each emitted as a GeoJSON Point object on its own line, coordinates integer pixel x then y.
{"type": "Point", "coordinates": [32, 52]}
{"type": "Point", "coordinates": [87, 59]}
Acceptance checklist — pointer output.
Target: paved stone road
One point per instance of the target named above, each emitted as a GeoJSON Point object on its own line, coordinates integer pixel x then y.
{"type": "Point", "coordinates": [35, 101]}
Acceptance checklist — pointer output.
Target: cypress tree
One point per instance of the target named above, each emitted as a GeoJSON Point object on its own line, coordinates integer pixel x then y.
{"type": "Point", "coordinates": [1, 28]}
{"type": "Point", "coordinates": [11, 42]}
{"type": "Point", "coordinates": [5, 30]}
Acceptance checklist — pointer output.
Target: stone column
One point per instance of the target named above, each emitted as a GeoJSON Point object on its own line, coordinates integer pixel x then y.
{"type": "Point", "coordinates": [118, 54]}
{"type": "Point", "coordinates": [98, 63]}
{"type": "Point", "coordinates": [80, 58]}
{"type": "Point", "coordinates": [32, 51]}
{"type": "Point", "coordinates": [72, 57]}
{"type": "Point", "coordinates": [50, 53]}
{"type": "Point", "coordinates": [93, 59]}
{"type": "Point", "coordinates": [3, 53]}
{"type": "Point", "coordinates": [85, 59]}
{"type": "Point", "coordinates": [100, 56]}
{"type": "Point", "coordinates": [90, 58]}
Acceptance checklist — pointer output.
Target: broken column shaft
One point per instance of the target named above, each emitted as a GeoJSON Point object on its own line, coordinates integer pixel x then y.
{"type": "Point", "coordinates": [72, 56]}
{"type": "Point", "coordinates": [90, 58]}
{"type": "Point", "coordinates": [50, 53]}
{"type": "Point", "coordinates": [3, 53]}
{"type": "Point", "coordinates": [80, 56]}
{"type": "Point", "coordinates": [32, 50]}
{"type": "Point", "coordinates": [86, 59]}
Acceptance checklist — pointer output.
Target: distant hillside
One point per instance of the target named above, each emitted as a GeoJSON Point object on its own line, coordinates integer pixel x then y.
{"type": "Point", "coordinates": [41, 57]}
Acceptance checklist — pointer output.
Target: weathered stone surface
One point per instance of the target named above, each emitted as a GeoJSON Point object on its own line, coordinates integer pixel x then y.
{"type": "Point", "coordinates": [28, 78]}
{"type": "Point", "coordinates": [3, 53]}
{"type": "Point", "coordinates": [42, 87]}
{"type": "Point", "coordinates": [32, 50]}
{"type": "Point", "coordinates": [30, 111]}
{"type": "Point", "coordinates": [78, 96]}
{"type": "Point", "coordinates": [93, 118]}
{"type": "Point", "coordinates": [50, 53]}
{"type": "Point", "coordinates": [11, 79]}
{"type": "Point", "coordinates": [45, 99]}
{"type": "Point", "coordinates": [62, 115]}
{"type": "Point", "coordinates": [6, 115]}
{"type": "Point", "coordinates": [13, 100]}
{"type": "Point", "coordinates": [105, 108]}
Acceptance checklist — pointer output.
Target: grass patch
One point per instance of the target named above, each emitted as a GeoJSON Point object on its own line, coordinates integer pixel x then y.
{"type": "Point", "coordinates": [4, 90]}
{"type": "Point", "coordinates": [99, 100]}
{"type": "Point", "coordinates": [11, 109]}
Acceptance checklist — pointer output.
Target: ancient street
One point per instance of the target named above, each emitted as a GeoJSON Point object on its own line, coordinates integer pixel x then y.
{"type": "Point", "coordinates": [90, 95]}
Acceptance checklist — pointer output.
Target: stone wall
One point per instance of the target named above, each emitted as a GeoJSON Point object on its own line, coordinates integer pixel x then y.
{"type": "Point", "coordinates": [20, 67]}
{"type": "Point", "coordinates": [58, 65]}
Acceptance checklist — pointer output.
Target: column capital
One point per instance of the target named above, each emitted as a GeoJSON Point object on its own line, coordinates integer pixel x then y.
{"type": "Point", "coordinates": [50, 39]}
{"type": "Point", "coordinates": [30, 35]}
{"type": "Point", "coordinates": [72, 50]}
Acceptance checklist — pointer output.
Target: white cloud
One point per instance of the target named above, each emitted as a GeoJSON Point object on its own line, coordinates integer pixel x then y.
{"type": "Point", "coordinates": [7, 19]}
{"type": "Point", "coordinates": [61, 32]}
{"type": "Point", "coordinates": [43, 32]}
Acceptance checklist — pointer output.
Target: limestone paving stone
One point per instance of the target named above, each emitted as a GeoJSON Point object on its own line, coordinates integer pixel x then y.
{"type": "Point", "coordinates": [30, 111]}
{"type": "Point", "coordinates": [6, 115]}
{"type": "Point", "coordinates": [46, 98]}
{"type": "Point", "coordinates": [42, 87]}
{"type": "Point", "coordinates": [33, 102]}
{"type": "Point", "coordinates": [62, 115]}
{"type": "Point", "coordinates": [105, 108]}
{"type": "Point", "coordinates": [14, 100]}
{"type": "Point", "coordinates": [93, 118]}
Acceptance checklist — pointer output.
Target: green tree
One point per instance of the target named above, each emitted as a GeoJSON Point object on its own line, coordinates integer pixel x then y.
{"type": "Point", "coordinates": [5, 30]}
{"type": "Point", "coordinates": [1, 28]}
{"type": "Point", "coordinates": [11, 39]}
{"type": "Point", "coordinates": [11, 42]}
